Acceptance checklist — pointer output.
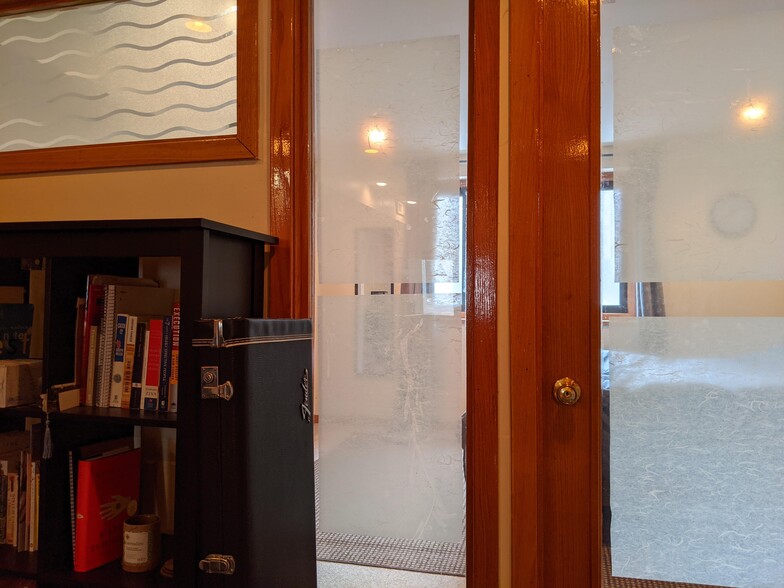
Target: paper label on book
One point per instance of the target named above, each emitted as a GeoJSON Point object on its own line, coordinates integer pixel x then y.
{"type": "Point", "coordinates": [136, 546]}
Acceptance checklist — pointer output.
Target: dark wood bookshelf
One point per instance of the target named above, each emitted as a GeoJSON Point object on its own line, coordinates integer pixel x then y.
{"type": "Point", "coordinates": [221, 274]}
{"type": "Point", "coordinates": [119, 415]}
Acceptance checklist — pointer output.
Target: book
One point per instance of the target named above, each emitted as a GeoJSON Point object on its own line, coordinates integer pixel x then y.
{"type": "Point", "coordinates": [11, 509]}
{"type": "Point", "coordinates": [65, 396]}
{"type": "Point", "coordinates": [36, 513]}
{"type": "Point", "coordinates": [3, 504]}
{"type": "Point", "coordinates": [93, 309]}
{"type": "Point", "coordinates": [152, 375]}
{"type": "Point", "coordinates": [118, 361]}
{"type": "Point", "coordinates": [100, 448]}
{"type": "Point", "coordinates": [137, 377]}
{"type": "Point", "coordinates": [16, 328]}
{"type": "Point", "coordinates": [174, 377]}
{"type": "Point", "coordinates": [20, 381]}
{"type": "Point", "coordinates": [130, 356]}
{"type": "Point", "coordinates": [89, 385]}
{"type": "Point", "coordinates": [21, 497]}
{"type": "Point", "coordinates": [78, 340]}
{"type": "Point", "coordinates": [107, 493]}
{"type": "Point", "coordinates": [105, 347]}
{"type": "Point", "coordinates": [32, 471]}
{"type": "Point", "coordinates": [166, 349]}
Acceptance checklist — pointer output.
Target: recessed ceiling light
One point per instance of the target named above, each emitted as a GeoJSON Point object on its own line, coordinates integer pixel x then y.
{"type": "Point", "coordinates": [410, 201]}
{"type": "Point", "coordinates": [381, 184]}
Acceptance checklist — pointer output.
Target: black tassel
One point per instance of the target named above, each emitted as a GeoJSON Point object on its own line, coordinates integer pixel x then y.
{"type": "Point", "coordinates": [47, 450]}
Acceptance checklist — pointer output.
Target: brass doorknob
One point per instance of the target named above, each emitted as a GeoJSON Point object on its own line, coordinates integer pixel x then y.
{"type": "Point", "coordinates": [566, 391]}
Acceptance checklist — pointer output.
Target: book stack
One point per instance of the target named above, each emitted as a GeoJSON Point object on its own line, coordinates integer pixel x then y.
{"type": "Point", "coordinates": [129, 344]}
{"type": "Point", "coordinates": [20, 459]}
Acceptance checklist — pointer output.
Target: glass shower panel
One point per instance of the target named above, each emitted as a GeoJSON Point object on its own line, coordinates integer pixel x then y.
{"type": "Point", "coordinates": [390, 374]}
{"type": "Point", "coordinates": [692, 374]}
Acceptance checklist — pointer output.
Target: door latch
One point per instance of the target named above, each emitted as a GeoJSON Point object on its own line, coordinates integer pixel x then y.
{"type": "Point", "coordinates": [215, 563]}
{"type": "Point", "coordinates": [566, 391]}
{"type": "Point", "coordinates": [210, 388]}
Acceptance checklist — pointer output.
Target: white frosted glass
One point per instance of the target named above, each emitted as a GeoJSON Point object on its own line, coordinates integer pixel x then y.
{"type": "Point", "coordinates": [696, 459]}
{"type": "Point", "coordinates": [117, 72]}
{"type": "Point", "coordinates": [380, 234]}
{"type": "Point", "coordinates": [700, 184]}
{"type": "Point", "coordinates": [391, 389]}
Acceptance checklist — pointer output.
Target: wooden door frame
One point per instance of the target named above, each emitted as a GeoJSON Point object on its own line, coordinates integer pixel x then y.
{"type": "Point", "coordinates": [290, 220]}
{"type": "Point", "coordinates": [554, 294]}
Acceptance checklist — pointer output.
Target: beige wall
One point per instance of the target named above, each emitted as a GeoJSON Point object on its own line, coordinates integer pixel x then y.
{"type": "Point", "coordinates": [234, 193]}
{"type": "Point", "coordinates": [739, 298]}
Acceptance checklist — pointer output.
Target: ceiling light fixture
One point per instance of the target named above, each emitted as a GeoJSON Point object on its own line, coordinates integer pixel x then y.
{"type": "Point", "coordinates": [411, 201]}
{"type": "Point", "coordinates": [381, 184]}
{"type": "Point", "coordinates": [753, 112]}
{"type": "Point", "coordinates": [376, 137]}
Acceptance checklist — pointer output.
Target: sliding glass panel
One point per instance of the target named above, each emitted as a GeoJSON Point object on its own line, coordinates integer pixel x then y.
{"type": "Point", "coordinates": [692, 373]}
{"type": "Point", "coordinates": [390, 275]}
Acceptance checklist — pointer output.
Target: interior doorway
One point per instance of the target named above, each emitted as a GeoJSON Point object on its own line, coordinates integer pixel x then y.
{"type": "Point", "coordinates": [389, 151]}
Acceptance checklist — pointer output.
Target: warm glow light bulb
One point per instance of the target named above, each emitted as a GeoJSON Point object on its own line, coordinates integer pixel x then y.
{"type": "Point", "coordinates": [753, 112]}
{"type": "Point", "coordinates": [376, 135]}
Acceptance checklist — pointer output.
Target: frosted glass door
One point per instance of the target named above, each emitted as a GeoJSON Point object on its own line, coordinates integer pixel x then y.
{"type": "Point", "coordinates": [693, 227]}
{"type": "Point", "coordinates": [389, 291]}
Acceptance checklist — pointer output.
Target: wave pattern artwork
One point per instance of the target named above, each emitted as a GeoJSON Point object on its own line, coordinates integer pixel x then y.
{"type": "Point", "coordinates": [113, 72]}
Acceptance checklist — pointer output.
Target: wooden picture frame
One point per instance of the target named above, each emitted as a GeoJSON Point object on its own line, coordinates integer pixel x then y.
{"type": "Point", "coordinates": [242, 145]}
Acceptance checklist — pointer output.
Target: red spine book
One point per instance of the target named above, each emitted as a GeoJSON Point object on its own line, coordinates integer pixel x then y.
{"type": "Point", "coordinates": [152, 378]}
{"type": "Point", "coordinates": [107, 494]}
{"type": "Point", "coordinates": [92, 318]}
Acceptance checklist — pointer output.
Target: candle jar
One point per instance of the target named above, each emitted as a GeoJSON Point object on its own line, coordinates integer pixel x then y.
{"type": "Point", "coordinates": [141, 543]}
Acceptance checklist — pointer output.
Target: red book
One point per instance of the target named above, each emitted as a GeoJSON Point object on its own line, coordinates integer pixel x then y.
{"type": "Point", "coordinates": [152, 379]}
{"type": "Point", "coordinates": [92, 318]}
{"type": "Point", "coordinates": [107, 494]}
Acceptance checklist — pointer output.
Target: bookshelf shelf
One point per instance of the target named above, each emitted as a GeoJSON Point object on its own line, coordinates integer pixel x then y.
{"type": "Point", "coordinates": [110, 574]}
{"type": "Point", "coordinates": [119, 416]}
{"type": "Point", "coordinates": [24, 564]}
{"type": "Point", "coordinates": [219, 271]}
{"type": "Point", "coordinates": [27, 410]}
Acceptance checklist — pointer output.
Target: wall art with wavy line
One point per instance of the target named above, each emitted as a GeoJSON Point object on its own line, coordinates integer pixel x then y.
{"type": "Point", "coordinates": [112, 72]}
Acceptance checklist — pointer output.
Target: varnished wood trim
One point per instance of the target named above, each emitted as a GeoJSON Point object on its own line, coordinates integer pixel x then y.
{"type": "Point", "coordinates": [290, 201]}
{"type": "Point", "coordinates": [8, 7]}
{"type": "Point", "coordinates": [525, 296]}
{"type": "Point", "coordinates": [248, 76]}
{"type": "Point", "coordinates": [243, 145]}
{"type": "Point", "coordinates": [123, 154]}
{"type": "Point", "coordinates": [594, 303]}
{"type": "Point", "coordinates": [555, 329]}
{"type": "Point", "coordinates": [482, 565]}
{"type": "Point", "coordinates": [290, 188]}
